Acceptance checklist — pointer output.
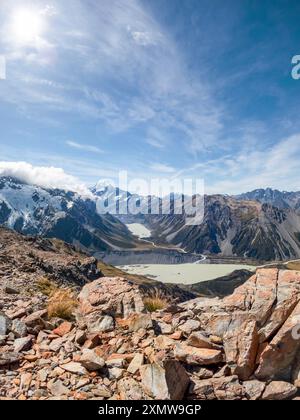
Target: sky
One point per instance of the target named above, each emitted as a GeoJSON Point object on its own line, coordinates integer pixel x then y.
{"type": "Point", "coordinates": [160, 88]}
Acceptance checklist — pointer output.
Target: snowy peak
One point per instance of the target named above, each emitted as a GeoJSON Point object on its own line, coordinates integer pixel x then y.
{"type": "Point", "coordinates": [55, 213]}
{"type": "Point", "coordinates": [280, 199]}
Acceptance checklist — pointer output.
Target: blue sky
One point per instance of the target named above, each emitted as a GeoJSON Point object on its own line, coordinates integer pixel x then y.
{"type": "Point", "coordinates": [191, 88]}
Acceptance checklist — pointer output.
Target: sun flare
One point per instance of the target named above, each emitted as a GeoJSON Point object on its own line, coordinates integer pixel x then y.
{"type": "Point", "coordinates": [27, 25]}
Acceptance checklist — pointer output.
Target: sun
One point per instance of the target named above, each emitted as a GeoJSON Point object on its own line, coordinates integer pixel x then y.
{"type": "Point", "coordinates": [27, 25]}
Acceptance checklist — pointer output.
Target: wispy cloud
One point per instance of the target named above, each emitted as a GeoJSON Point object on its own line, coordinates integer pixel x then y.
{"type": "Point", "coordinates": [84, 147]}
{"type": "Point", "coordinates": [132, 51]}
{"type": "Point", "coordinates": [162, 168]}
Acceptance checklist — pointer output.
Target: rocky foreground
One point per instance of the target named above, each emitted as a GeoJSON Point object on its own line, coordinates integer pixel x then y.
{"type": "Point", "coordinates": [243, 347]}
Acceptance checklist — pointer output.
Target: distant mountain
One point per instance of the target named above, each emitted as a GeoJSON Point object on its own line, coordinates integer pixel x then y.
{"type": "Point", "coordinates": [280, 199]}
{"type": "Point", "coordinates": [233, 227]}
{"type": "Point", "coordinates": [52, 213]}
{"type": "Point", "coordinates": [263, 224]}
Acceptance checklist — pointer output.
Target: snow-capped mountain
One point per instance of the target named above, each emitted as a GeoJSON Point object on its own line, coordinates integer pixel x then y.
{"type": "Point", "coordinates": [33, 210]}
{"type": "Point", "coordinates": [280, 199]}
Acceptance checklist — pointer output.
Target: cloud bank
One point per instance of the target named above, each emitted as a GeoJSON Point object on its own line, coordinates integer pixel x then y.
{"type": "Point", "coordinates": [45, 177]}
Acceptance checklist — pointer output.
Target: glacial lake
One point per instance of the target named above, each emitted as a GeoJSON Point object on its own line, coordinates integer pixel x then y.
{"type": "Point", "coordinates": [139, 230]}
{"type": "Point", "coordinates": [184, 273]}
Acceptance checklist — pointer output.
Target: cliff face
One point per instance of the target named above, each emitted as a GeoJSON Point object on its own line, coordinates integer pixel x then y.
{"type": "Point", "coordinates": [234, 227]}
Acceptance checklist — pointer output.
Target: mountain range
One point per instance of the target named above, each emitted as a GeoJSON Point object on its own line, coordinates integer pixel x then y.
{"type": "Point", "coordinates": [33, 210]}
{"type": "Point", "coordinates": [262, 224]}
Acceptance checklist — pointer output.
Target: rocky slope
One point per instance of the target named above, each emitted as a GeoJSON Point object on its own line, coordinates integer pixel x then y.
{"type": "Point", "coordinates": [234, 228]}
{"type": "Point", "coordinates": [280, 199]}
{"type": "Point", "coordinates": [53, 213]}
{"type": "Point", "coordinates": [264, 224]}
{"type": "Point", "coordinates": [267, 229]}
{"type": "Point", "coordinates": [243, 347]}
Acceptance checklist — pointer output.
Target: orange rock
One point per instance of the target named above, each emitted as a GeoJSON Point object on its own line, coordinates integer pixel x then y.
{"type": "Point", "coordinates": [63, 329]}
{"type": "Point", "coordinates": [177, 335]}
{"type": "Point", "coordinates": [195, 356]}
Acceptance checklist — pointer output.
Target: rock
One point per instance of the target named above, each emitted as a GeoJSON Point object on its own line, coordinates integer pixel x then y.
{"type": "Point", "coordinates": [201, 372]}
{"type": "Point", "coordinates": [162, 342]}
{"type": "Point", "coordinates": [287, 297]}
{"type": "Point", "coordinates": [35, 318]}
{"type": "Point", "coordinates": [74, 367]}
{"type": "Point", "coordinates": [227, 388]}
{"type": "Point", "coordinates": [196, 356]}
{"type": "Point", "coordinates": [278, 390]}
{"type": "Point", "coordinates": [92, 341]}
{"type": "Point", "coordinates": [57, 388]}
{"type": "Point", "coordinates": [103, 324]}
{"type": "Point", "coordinates": [198, 339]}
{"type": "Point", "coordinates": [42, 337]}
{"type": "Point", "coordinates": [165, 328]}
{"type": "Point", "coordinates": [254, 389]}
{"type": "Point", "coordinates": [25, 383]}
{"type": "Point", "coordinates": [129, 389]}
{"type": "Point", "coordinates": [103, 392]}
{"type": "Point", "coordinates": [136, 363]}
{"type": "Point", "coordinates": [8, 358]}
{"type": "Point", "coordinates": [115, 373]}
{"type": "Point", "coordinates": [177, 335]}
{"type": "Point", "coordinates": [277, 359]}
{"type": "Point", "coordinates": [22, 344]}
{"type": "Point", "coordinates": [241, 345]}
{"type": "Point", "coordinates": [63, 329]}
{"type": "Point", "coordinates": [140, 321]}
{"type": "Point", "coordinates": [10, 290]}
{"type": "Point", "coordinates": [224, 371]}
{"type": "Point", "coordinates": [117, 360]}
{"type": "Point", "coordinates": [189, 326]}
{"type": "Point", "coordinates": [19, 328]}
{"type": "Point", "coordinates": [216, 340]}
{"type": "Point", "coordinates": [202, 390]}
{"type": "Point", "coordinates": [5, 324]}
{"type": "Point", "coordinates": [115, 296]}
{"type": "Point", "coordinates": [80, 337]}
{"type": "Point", "coordinates": [43, 374]}
{"type": "Point", "coordinates": [257, 295]}
{"type": "Point", "coordinates": [82, 383]}
{"type": "Point", "coordinates": [57, 344]}
{"type": "Point", "coordinates": [91, 360]}
{"type": "Point", "coordinates": [166, 382]}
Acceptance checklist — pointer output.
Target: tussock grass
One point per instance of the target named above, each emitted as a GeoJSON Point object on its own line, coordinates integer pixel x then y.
{"type": "Point", "coordinates": [46, 286]}
{"type": "Point", "coordinates": [155, 301]}
{"type": "Point", "coordinates": [62, 304]}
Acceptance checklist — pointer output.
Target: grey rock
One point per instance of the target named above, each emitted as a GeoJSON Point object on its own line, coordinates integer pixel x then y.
{"type": "Point", "coordinates": [91, 361]}
{"type": "Point", "coordinates": [19, 328]}
{"type": "Point", "coordinates": [5, 324]}
{"type": "Point", "coordinates": [167, 382]}
{"type": "Point", "coordinates": [22, 344]}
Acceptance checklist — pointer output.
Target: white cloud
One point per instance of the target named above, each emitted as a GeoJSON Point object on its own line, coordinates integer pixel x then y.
{"type": "Point", "coordinates": [162, 168]}
{"type": "Point", "coordinates": [46, 177]}
{"type": "Point", "coordinates": [276, 167]}
{"type": "Point", "coordinates": [143, 38]}
{"type": "Point", "coordinates": [85, 147]}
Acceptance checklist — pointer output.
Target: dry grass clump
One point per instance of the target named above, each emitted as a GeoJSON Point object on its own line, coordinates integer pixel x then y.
{"type": "Point", "coordinates": [46, 286]}
{"type": "Point", "coordinates": [155, 301]}
{"type": "Point", "coordinates": [62, 304]}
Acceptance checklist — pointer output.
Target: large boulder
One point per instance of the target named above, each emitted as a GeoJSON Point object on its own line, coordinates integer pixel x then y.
{"type": "Point", "coordinates": [168, 381]}
{"type": "Point", "coordinates": [278, 390]}
{"type": "Point", "coordinates": [278, 357]}
{"type": "Point", "coordinates": [108, 298]}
